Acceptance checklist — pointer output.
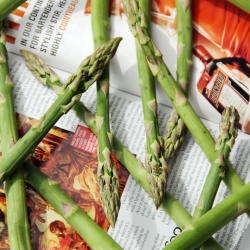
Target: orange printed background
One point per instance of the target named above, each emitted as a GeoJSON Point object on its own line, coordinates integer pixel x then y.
{"type": "Point", "coordinates": [226, 35]}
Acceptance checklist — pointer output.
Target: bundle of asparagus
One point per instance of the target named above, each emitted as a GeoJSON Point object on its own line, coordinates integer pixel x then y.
{"type": "Point", "coordinates": [228, 133]}
{"type": "Point", "coordinates": [88, 72]}
{"type": "Point", "coordinates": [158, 67]}
{"type": "Point", "coordinates": [68, 97]}
{"type": "Point", "coordinates": [169, 204]}
{"type": "Point", "coordinates": [180, 102]}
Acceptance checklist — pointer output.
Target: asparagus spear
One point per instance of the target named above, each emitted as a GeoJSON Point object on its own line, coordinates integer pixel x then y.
{"type": "Point", "coordinates": [228, 132]}
{"type": "Point", "coordinates": [159, 69]}
{"type": "Point", "coordinates": [95, 236]}
{"type": "Point", "coordinates": [88, 72]}
{"type": "Point", "coordinates": [169, 204]}
{"type": "Point", "coordinates": [242, 4]}
{"type": "Point", "coordinates": [107, 175]}
{"type": "Point", "coordinates": [7, 6]}
{"type": "Point", "coordinates": [175, 127]}
{"type": "Point", "coordinates": [17, 216]}
{"type": "Point", "coordinates": [154, 160]}
{"type": "Point", "coordinates": [229, 209]}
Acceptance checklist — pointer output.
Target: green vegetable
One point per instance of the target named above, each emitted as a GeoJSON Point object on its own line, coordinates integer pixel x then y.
{"type": "Point", "coordinates": [198, 232]}
{"type": "Point", "coordinates": [107, 175]}
{"type": "Point", "coordinates": [155, 163]}
{"type": "Point", "coordinates": [160, 70]}
{"type": "Point", "coordinates": [17, 215]}
{"type": "Point", "coordinates": [7, 6]}
{"type": "Point", "coordinates": [87, 73]}
{"type": "Point", "coordinates": [169, 204]}
{"type": "Point", "coordinates": [175, 127]}
{"type": "Point", "coordinates": [228, 133]}
{"type": "Point", "coordinates": [242, 4]}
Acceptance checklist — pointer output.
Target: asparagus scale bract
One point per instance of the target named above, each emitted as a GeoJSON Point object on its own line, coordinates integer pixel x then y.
{"type": "Point", "coordinates": [7, 6]}
{"type": "Point", "coordinates": [135, 167]}
{"type": "Point", "coordinates": [88, 72]}
{"type": "Point", "coordinates": [154, 161]}
{"type": "Point", "coordinates": [106, 174]}
{"type": "Point", "coordinates": [17, 215]}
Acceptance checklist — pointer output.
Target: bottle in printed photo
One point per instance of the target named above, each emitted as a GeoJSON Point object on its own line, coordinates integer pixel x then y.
{"type": "Point", "coordinates": [224, 81]}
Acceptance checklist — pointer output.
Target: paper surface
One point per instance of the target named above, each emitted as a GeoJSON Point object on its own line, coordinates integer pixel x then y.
{"type": "Point", "coordinates": [60, 32]}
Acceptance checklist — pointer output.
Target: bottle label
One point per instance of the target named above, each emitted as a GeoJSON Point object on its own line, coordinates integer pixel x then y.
{"type": "Point", "coordinates": [223, 90]}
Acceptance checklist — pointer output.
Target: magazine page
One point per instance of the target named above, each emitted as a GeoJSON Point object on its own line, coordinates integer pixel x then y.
{"type": "Point", "coordinates": [47, 27]}
{"type": "Point", "coordinates": [139, 224]}
{"type": "Point", "coordinates": [70, 159]}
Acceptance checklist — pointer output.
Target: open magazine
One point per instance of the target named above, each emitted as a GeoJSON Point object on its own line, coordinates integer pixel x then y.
{"type": "Point", "coordinates": [46, 28]}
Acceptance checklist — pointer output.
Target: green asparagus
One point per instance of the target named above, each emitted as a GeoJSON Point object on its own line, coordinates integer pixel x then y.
{"type": "Point", "coordinates": [198, 232]}
{"type": "Point", "coordinates": [17, 215]}
{"type": "Point", "coordinates": [135, 167]}
{"type": "Point", "coordinates": [159, 69]}
{"type": "Point", "coordinates": [169, 204]}
{"type": "Point", "coordinates": [107, 175]}
{"type": "Point", "coordinates": [154, 162]}
{"type": "Point", "coordinates": [175, 127]}
{"type": "Point", "coordinates": [7, 6]}
{"type": "Point", "coordinates": [228, 133]}
{"type": "Point", "coordinates": [88, 72]}
{"type": "Point", "coordinates": [242, 4]}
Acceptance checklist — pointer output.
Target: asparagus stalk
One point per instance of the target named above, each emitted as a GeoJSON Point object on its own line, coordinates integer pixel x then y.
{"type": "Point", "coordinates": [242, 4]}
{"type": "Point", "coordinates": [184, 48]}
{"type": "Point", "coordinates": [169, 204]}
{"type": "Point", "coordinates": [229, 209]}
{"type": "Point", "coordinates": [175, 127]}
{"type": "Point", "coordinates": [154, 161]}
{"type": "Point", "coordinates": [88, 72]}
{"type": "Point", "coordinates": [7, 6]}
{"type": "Point", "coordinates": [159, 69]}
{"type": "Point", "coordinates": [107, 175]}
{"type": "Point", "coordinates": [175, 132]}
{"type": "Point", "coordinates": [228, 133]}
{"type": "Point", "coordinates": [17, 215]}
{"type": "Point", "coordinates": [95, 236]}
{"type": "Point", "coordinates": [135, 167]}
